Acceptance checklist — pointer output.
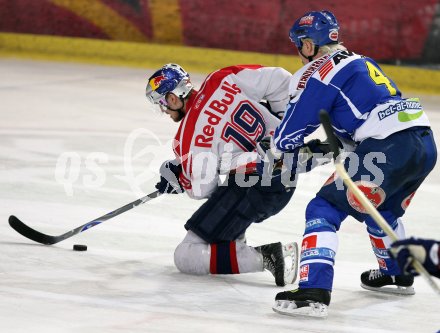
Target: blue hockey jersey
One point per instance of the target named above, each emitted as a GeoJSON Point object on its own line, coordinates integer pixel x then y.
{"type": "Point", "coordinates": [361, 100]}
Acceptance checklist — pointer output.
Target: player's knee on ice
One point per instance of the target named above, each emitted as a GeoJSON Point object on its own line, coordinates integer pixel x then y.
{"type": "Point", "coordinates": [192, 256]}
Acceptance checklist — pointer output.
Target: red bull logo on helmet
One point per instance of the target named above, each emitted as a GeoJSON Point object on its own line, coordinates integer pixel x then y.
{"type": "Point", "coordinates": [155, 81]}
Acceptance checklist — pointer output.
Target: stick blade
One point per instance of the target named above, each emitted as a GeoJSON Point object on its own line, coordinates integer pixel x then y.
{"type": "Point", "coordinates": [30, 233]}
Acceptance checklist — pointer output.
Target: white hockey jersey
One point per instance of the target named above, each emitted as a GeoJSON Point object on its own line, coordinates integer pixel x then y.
{"type": "Point", "coordinates": [223, 122]}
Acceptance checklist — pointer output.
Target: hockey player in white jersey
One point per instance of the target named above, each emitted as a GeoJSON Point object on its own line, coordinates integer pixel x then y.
{"type": "Point", "coordinates": [394, 152]}
{"type": "Point", "coordinates": [219, 127]}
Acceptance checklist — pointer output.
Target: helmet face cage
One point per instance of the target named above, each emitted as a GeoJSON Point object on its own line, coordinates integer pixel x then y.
{"type": "Point", "coordinates": [155, 98]}
{"type": "Point", "coordinates": [171, 78]}
{"type": "Point", "coordinates": [321, 27]}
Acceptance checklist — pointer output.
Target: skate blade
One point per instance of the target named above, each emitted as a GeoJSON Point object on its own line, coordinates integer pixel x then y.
{"type": "Point", "coordinates": [289, 308]}
{"type": "Point", "coordinates": [395, 290]}
{"type": "Point", "coordinates": [290, 254]}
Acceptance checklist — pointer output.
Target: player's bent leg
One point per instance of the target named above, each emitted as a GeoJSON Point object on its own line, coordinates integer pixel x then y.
{"type": "Point", "coordinates": [236, 257]}
{"type": "Point", "coordinates": [224, 218]}
{"type": "Point", "coordinates": [195, 256]}
{"type": "Point", "coordinates": [388, 278]}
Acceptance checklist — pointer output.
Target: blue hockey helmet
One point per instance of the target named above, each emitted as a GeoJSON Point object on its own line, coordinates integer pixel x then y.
{"type": "Point", "coordinates": [171, 78]}
{"type": "Point", "coordinates": [321, 27]}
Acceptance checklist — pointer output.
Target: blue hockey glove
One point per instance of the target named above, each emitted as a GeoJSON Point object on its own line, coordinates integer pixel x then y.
{"type": "Point", "coordinates": [424, 250]}
{"type": "Point", "coordinates": [169, 178]}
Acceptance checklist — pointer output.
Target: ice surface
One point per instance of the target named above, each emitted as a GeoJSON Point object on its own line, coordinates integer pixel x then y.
{"type": "Point", "coordinates": [92, 125]}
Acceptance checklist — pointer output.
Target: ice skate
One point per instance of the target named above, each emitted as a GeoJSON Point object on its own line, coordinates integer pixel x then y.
{"type": "Point", "coordinates": [290, 254]}
{"type": "Point", "coordinates": [375, 280]}
{"type": "Point", "coordinates": [280, 261]}
{"type": "Point", "coordinates": [303, 302]}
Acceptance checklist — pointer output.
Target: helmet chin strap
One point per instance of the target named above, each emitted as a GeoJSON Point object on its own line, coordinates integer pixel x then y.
{"type": "Point", "coordinates": [310, 58]}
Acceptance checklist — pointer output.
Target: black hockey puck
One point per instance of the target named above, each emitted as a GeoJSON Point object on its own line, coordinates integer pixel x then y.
{"type": "Point", "coordinates": [79, 247]}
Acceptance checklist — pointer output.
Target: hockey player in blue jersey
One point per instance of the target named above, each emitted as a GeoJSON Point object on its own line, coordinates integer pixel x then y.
{"type": "Point", "coordinates": [391, 140]}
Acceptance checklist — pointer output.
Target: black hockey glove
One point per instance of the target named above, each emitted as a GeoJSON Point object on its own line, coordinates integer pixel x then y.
{"type": "Point", "coordinates": [302, 159]}
{"type": "Point", "coordinates": [317, 146]}
{"type": "Point", "coordinates": [169, 178]}
{"type": "Point", "coordinates": [269, 159]}
{"type": "Point", "coordinates": [424, 250]}
{"type": "Point", "coordinates": [266, 104]}
{"type": "Point", "coordinates": [312, 154]}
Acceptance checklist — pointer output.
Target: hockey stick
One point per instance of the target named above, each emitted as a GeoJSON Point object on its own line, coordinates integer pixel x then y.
{"type": "Point", "coordinates": [39, 237]}
{"type": "Point", "coordinates": [371, 210]}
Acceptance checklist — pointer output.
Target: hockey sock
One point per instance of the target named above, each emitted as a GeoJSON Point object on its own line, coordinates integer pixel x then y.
{"type": "Point", "coordinates": [318, 251]}
{"type": "Point", "coordinates": [224, 258]}
{"type": "Point", "coordinates": [381, 243]}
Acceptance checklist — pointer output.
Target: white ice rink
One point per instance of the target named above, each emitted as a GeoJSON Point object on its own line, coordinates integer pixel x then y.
{"type": "Point", "coordinates": [78, 141]}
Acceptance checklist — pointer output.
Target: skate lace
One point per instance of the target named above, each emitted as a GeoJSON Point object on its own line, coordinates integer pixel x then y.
{"type": "Point", "coordinates": [375, 274]}
{"type": "Point", "coordinates": [269, 265]}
